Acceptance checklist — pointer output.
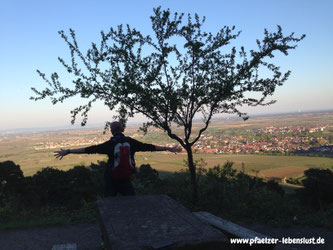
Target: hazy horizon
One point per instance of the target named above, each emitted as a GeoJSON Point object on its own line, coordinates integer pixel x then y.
{"type": "Point", "coordinates": [134, 121]}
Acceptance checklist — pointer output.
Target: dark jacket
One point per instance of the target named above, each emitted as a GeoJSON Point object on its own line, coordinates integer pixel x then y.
{"type": "Point", "coordinates": [108, 147]}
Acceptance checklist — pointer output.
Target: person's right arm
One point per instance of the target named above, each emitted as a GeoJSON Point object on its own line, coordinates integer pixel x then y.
{"type": "Point", "coordinates": [96, 149]}
{"type": "Point", "coordinates": [63, 152]}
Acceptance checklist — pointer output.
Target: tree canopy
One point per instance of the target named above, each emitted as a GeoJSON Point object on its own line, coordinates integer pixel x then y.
{"type": "Point", "coordinates": [172, 76]}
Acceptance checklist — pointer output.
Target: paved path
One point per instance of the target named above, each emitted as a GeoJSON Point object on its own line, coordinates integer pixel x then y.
{"type": "Point", "coordinates": [87, 236]}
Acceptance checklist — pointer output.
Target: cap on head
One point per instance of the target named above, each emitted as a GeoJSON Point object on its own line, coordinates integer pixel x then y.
{"type": "Point", "coordinates": [116, 128]}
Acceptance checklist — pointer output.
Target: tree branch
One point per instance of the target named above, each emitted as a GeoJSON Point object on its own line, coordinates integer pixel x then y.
{"type": "Point", "coordinates": [206, 124]}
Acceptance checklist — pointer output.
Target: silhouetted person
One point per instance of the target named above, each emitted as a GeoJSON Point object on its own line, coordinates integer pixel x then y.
{"type": "Point", "coordinates": [121, 164]}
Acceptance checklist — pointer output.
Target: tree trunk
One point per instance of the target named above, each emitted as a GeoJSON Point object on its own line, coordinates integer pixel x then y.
{"type": "Point", "coordinates": [192, 169]}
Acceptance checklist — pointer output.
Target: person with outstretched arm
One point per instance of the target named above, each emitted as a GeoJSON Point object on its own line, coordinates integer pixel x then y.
{"type": "Point", "coordinates": [121, 164]}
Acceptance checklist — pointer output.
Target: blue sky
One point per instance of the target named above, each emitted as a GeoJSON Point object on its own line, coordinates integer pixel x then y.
{"type": "Point", "coordinates": [30, 41]}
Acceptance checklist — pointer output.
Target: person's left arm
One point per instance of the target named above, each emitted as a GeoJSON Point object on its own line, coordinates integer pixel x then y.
{"type": "Point", "coordinates": [140, 146]}
{"type": "Point", "coordinates": [171, 149]}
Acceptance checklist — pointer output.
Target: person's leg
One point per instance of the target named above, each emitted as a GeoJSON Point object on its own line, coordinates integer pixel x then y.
{"type": "Point", "coordinates": [125, 188]}
{"type": "Point", "coordinates": [109, 186]}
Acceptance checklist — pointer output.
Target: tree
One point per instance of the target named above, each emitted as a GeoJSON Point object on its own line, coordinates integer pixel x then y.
{"type": "Point", "coordinates": [11, 179]}
{"type": "Point", "coordinates": [318, 186]}
{"type": "Point", "coordinates": [170, 78]}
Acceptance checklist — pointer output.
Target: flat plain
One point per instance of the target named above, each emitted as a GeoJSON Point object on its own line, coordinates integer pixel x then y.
{"type": "Point", "coordinates": [33, 151]}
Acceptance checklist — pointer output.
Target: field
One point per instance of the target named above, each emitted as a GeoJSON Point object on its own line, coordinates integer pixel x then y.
{"type": "Point", "coordinates": [21, 148]}
{"type": "Point", "coordinates": [268, 166]}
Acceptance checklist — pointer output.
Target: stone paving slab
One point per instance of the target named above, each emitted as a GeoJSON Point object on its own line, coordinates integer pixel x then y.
{"type": "Point", "coordinates": [151, 222]}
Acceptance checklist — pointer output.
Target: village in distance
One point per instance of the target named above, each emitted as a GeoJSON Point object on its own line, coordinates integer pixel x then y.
{"type": "Point", "coordinates": [295, 136]}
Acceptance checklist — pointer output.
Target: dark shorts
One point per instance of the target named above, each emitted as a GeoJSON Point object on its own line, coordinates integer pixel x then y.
{"type": "Point", "coordinates": [113, 187]}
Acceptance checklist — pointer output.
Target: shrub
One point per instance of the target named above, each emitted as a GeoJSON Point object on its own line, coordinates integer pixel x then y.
{"type": "Point", "coordinates": [147, 175]}
{"type": "Point", "coordinates": [318, 187]}
{"type": "Point", "coordinates": [67, 188]}
{"type": "Point", "coordinates": [84, 185]}
{"type": "Point", "coordinates": [274, 186]}
{"type": "Point", "coordinates": [294, 181]}
{"type": "Point", "coordinates": [11, 180]}
{"type": "Point", "coordinates": [222, 191]}
{"type": "Point", "coordinates": [51, 186]}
